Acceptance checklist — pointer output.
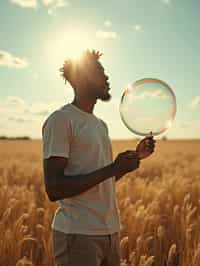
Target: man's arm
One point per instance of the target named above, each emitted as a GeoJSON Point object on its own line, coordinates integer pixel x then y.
{"type": "Point", "coordinates": [59, 186]}
{"type": "Point", "coordinates": [118, 176]}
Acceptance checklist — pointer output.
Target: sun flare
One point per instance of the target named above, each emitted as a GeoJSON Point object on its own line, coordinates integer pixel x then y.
{"type": "Point", "coordinates": [69, 43]}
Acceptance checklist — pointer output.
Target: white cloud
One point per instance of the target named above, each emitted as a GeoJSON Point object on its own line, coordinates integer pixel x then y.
{"type": "Point", "coordinates": [106, 34]}
{"type": "Point", "coordinates": [47, 2]}
{"type": "Point", "coordinates": [9, 60]}
{"type": "Point", "coordinates": [54, 4]}
{"type": "Point", "coordinates": [148, 94]}
{"type": "Point", "coordinates": [107, 23]}
{"type": "Point", "coordinates": [185, 129]}
{"type": "Point", "coordinates": [13, 106]}
{"type": "Point", "coordinates": [25, 3]}
{"type": "Point", "coordinates": [19, 119]}
{"type": "Point", "coordinates": [14, 100]}
{"type": "Point", "coordinates": [137, 27]}
{"type": "Point", "coordinates": [195, 102]}
{"type": "Point", "coordinates": [40, 108]}
{"type": "Point", "coordinates": [167, 2]}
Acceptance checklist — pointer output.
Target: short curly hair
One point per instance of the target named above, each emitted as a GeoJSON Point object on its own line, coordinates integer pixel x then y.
{"type": "Point", "coordinates": [72, 66]}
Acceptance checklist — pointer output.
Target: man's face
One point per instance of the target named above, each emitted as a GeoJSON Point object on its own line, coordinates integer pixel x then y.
{"type": "Point", "coordinates": [99, 83]}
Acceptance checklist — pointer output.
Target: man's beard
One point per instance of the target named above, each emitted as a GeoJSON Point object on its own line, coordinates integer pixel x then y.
{"type": "Point", "coordinates": [105, 97]}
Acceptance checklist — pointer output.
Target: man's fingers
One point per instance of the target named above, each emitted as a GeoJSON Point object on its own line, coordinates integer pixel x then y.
{"type": "Point", "coordinates": [131, 153]}
{"type": "Point", "coordinates": [149, 147]}
{"type": "Point", "coordinates": [150, 142]}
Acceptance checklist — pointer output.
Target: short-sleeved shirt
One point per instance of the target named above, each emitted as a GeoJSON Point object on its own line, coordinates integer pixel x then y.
{"type": "Point", "coordinates": [83, 138]}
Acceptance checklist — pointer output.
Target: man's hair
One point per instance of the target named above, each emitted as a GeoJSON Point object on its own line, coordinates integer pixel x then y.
{"type": "Point", "coordinates": [73, 67]}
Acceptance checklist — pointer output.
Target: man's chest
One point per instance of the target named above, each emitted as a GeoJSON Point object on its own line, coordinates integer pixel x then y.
{"type": "Point", "coordinates": [90, 133]}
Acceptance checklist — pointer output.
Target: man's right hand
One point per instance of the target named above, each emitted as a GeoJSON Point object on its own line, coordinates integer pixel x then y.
{"type": "Point", "coordinates": [126, 162]}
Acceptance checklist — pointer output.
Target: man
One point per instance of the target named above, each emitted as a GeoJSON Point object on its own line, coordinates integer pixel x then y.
{"type": "Point", "coordinates": [80, 173]}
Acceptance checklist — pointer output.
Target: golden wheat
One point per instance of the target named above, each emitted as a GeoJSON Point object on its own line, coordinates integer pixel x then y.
{"type": "Point", "coordinates": [159, 206]}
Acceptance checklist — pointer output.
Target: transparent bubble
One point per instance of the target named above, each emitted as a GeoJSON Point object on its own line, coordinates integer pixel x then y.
{"type": "Point", "coordinates": [148, 107]}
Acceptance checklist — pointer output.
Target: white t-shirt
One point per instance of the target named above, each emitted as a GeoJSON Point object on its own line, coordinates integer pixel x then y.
{"type": "Point", "coordinates": [84, 139]}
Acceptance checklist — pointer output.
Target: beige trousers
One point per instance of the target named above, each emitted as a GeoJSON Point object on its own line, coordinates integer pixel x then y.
{"type": "Point", "coordinates": [86, 250]}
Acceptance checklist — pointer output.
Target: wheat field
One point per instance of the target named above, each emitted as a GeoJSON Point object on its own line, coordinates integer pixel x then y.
{"type": "Point", "coordinates": [159, 206]}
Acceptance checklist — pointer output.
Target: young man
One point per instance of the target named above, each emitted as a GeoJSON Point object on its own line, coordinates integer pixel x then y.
{"type": "Point", "coordinates": [80, 173]}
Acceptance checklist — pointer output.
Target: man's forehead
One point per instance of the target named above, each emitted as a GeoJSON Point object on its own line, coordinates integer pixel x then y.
{"type": "Point", "coordinates": [99, 65]}
{"type": "Point", "coordinates": [96, 65]}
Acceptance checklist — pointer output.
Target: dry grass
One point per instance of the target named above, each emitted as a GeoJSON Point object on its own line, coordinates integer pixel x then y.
{"type": "Point", "coordinates": [159, 206]}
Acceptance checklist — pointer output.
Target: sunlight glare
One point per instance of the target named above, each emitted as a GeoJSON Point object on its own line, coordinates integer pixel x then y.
{"type": "Point", "coordinates": [68, 43]}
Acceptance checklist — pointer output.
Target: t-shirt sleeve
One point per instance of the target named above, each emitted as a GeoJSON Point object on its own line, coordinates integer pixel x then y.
{"type": "Point", "coordinates": [56, 136]}
{"type": "Point", "coordinates": [106, 127]}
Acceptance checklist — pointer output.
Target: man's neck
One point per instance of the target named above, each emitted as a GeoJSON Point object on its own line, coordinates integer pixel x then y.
{"type": "Point", "coordinates": [85, 105]}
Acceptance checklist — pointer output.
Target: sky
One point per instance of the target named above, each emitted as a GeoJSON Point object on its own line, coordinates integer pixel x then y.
{"type": "Point", "coordinates": [139, 39]}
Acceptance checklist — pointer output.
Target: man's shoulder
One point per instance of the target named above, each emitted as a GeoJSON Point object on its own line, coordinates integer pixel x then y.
{"type": "Point", "coordinates": [103, 123]}
{"type": "Point", "coordinates": [59, 115]}
{"type": "Point", "coordinates": [61, 112]}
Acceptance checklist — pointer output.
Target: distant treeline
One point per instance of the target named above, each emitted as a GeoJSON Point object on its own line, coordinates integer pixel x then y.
{"type": "Point", "coordinates": [15, 138]}
{"type": "Point", "coordinates": [28, 138]}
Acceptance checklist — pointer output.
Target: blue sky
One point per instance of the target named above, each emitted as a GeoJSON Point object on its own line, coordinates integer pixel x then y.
{"type": "Point", "coordinates": [138, 39]}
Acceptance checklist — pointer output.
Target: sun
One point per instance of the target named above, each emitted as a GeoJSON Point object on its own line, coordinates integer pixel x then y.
{"type": "Point", "coordinates": [68, 43]}
{"type": "Point", "coordinates": [76, 43]}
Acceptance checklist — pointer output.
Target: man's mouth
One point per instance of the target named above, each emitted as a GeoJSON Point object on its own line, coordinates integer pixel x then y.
{"type": "Point", "coordinates": [107, 85]}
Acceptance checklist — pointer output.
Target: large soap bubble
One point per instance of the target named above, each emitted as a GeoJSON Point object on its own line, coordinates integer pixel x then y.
{"type": "Point", "coordinates": [148, 107]}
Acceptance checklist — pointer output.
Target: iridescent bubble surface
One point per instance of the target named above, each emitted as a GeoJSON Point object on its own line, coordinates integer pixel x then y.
{"type": "Point", "coordinates": [148, 106]}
